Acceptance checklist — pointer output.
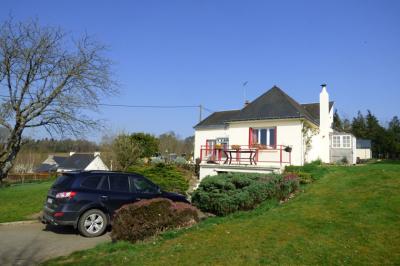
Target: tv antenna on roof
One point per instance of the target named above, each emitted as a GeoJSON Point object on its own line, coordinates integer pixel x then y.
{"type": "Point", "coordinates": [244, 93]}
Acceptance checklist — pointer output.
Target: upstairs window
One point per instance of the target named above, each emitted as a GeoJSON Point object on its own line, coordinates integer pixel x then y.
{"type": "Point", "coordinates": [264, 136]}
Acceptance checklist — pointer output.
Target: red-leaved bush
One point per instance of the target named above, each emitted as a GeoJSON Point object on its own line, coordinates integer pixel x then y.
{"type": "Point", "coordinates": [146, 218]}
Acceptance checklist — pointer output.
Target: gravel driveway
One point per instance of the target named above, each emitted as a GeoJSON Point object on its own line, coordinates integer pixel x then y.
{"type": "Point", "coordinates": [29, 244]}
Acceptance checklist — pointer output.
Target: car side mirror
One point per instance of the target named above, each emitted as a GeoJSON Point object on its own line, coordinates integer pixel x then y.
{"type": "Point", "coordinates": [159, 191]}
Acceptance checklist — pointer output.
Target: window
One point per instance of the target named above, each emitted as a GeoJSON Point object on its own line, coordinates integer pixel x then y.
{"type": "Point", "coordinates": [141, 185]}
{"type": "Point", "coordinates": [336, 141]}
{"type": "Point", "coordinates": [91, 182]}
{"type": "Point", "coordinates": [224, 142]}
{"type": "Point", "coordinates": [346, 142]}
{"type": "Point", "coordinates": [119, 183]}
{"type": "Point", "coordinates": [343, 142]}
{"type": "Point", "coordinates": [63, 182]}
{"type": "Point", "coordinates": [105, 185]}
{"type": "Point", "coordinates": [264, 136]}
{"type": "Point", "coordinates": [210, 145]}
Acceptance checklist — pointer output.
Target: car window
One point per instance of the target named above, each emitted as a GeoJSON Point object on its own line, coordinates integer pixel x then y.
{"type": "Point", "coordinates": [119, 183]}
{"type": "Point", "coordinates": [91, 182]}
{"type": "Point", "coordinates": [104, 184]}
{"type": "Point", "coordinates": [64, 181]}
{"type": "Point", "coordinates": [141, 185]}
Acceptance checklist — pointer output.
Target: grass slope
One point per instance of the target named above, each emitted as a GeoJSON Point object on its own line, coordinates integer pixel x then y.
{"type": "Point", "coordinates": [350, 216]}
{"type": "Point", "coordinates": [18, 202]}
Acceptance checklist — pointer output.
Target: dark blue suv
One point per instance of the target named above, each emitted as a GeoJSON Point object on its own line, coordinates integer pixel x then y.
{"type": "Point", "coordinates": [87, 200]}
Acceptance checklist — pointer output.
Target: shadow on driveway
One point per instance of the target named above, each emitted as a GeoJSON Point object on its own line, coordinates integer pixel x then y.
{"type": "Point", "coordinates": [29, 244]}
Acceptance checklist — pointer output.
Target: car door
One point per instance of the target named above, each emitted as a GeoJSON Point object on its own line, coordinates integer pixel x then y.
{"type": "Point", "coordinates": [116, 192]}
{"type": "Point", "coordinates": [143, 188]}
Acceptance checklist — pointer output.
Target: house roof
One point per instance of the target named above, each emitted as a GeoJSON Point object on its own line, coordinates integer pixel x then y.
{"type": "Point", "coordinates": [48, 167]}
{"type": "Point", "coordinates": [273, 104]}
{"type": "Point", "coordinates": [59, 159]}
{"type": "Point", "coordinates": [313, 109]}
{"type": "Point", "coordinates": [45, 167]}
{"type": "Point", "coordinates": [77, 161]}
{"type": "Point", "coordinates": [217, 119]}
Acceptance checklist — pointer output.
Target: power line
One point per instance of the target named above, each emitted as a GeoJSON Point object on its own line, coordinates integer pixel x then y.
{"type": "Point", "coordinates": [201, 107]}
{"type": "Point", "coordinates": [148, 106]}
{"type": "Point", "coordinates": [135, 106]}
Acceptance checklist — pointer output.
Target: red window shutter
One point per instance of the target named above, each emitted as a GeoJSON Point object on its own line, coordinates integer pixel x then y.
{"type": "Point", "coordinates": [250, 136]}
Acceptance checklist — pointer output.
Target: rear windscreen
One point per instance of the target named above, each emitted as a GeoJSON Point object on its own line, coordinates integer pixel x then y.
{"type": "Point", "coordinates": [64, 181]}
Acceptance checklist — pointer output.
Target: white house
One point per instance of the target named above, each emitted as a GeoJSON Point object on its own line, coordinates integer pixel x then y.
{"type": "Point", "coordinates": [272, 131]}
{"type": "Point", "coordinates": [73, 162]}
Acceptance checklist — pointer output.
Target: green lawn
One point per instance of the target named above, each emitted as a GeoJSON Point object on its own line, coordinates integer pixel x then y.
{"type": "Point", "coordinates": [350, 216]}
{"type": "Point", "coordinates": [19, 202]}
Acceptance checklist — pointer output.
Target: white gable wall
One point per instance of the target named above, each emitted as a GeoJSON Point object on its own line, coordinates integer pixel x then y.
{"type": "Point", "coordinates": [50, 160]}
{"type": "Point", "coordinates": [97, 164]}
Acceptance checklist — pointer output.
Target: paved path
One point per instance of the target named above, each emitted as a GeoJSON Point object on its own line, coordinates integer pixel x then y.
{"type": "Point", "coordinates": [29, 244]}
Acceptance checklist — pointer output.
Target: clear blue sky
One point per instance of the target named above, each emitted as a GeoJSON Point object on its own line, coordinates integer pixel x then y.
{"type": "Point", "coordinates": [192, 52]}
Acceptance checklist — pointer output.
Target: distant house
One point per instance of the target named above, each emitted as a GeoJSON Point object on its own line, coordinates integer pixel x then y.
{"type": "Point", "coordinates": [73, 162]}
{"type": "Point", "coordinates": [363, 151]}
{"type": "Point", "coordinates": [51, 164]}
{"type": "Point", "coordinates": [269, 133]}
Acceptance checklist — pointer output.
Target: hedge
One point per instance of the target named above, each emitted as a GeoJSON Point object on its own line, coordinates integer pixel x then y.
{"type": "Point", "coordinates": [227, 193]}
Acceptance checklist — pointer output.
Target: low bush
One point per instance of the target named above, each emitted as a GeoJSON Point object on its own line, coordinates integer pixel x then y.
{"type": "Point", "coordinates": [303, 177]}
{"type": "Point", "coordinates": [168, 177]}
{"type": "Point", "coordinates": [146, 218]}
{"type": "Point", "coordinates": [315, 169]}
{"type": "Point", "coordinates": [226, 193]}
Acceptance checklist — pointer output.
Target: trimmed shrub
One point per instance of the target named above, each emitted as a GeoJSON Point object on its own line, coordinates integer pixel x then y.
{"type": "Point", "coordinates": [168, 177]}
{"type": "Point", "coordinates": [146, 218]}
{"type": "Point", "coordinates": [286, 185]}
{"type": "Point", "coordinates": [227, 193]}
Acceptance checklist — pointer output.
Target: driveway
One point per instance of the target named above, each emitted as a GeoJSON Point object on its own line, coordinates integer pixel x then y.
{"type": "Point", "coordinates": [29, 244]}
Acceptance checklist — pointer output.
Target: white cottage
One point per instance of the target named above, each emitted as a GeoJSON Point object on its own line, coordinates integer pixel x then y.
{"type": "Point", "coordinates": [269, 133]}
{"type": "Point", "coordinates": [73, 162]}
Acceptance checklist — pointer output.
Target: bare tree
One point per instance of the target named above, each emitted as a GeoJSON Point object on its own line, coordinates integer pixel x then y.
{"type": "Point", "coordinates": [47, 80]}
{"type": "Point", "coordinates": [126, 150]}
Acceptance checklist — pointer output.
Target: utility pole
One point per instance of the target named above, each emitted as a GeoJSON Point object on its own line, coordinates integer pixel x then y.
{"type": "Point", "coordinates": [200, 112]}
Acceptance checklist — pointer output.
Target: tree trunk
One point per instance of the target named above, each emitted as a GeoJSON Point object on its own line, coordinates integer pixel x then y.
{"type": "Point", "coordinates": [11, 151]}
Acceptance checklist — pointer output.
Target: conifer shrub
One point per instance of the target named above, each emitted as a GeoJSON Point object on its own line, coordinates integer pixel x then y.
{"type": "Point", "coordinates": [227, 193]}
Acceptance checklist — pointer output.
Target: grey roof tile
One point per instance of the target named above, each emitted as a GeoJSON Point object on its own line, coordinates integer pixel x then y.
{"type": "Point", "coordinates": [217, 119]}
{"type": "Point", "coordinates": [77, 161]}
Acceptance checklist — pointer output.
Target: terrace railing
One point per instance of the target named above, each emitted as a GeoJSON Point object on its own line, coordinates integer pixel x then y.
{"type": "Point", "coordinates": [245, 154]}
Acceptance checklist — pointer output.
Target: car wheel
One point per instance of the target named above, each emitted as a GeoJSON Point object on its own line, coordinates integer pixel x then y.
{"type": "Point", "coordinates": [92, 223]}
